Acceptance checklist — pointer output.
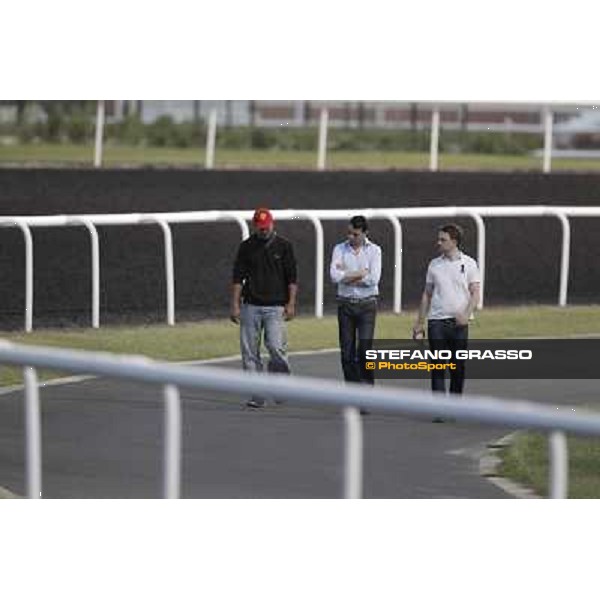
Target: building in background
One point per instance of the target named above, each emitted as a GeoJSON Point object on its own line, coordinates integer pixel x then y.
{"type": "Point", "coordinates": [354, 114]}
{"type": "Point", "coordinates": [572, 124]}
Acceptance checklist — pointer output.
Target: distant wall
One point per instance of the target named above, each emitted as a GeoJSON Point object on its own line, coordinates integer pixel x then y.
{"type": "Point", "coordinates": [522, 254]}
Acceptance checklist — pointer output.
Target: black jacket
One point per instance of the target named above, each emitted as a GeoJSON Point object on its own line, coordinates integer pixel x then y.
{"type": "Point", "coordinates": [265, 268]}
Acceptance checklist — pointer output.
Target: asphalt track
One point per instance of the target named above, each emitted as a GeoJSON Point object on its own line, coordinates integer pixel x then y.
{"type": "Point", "coordinates": [103, 439]}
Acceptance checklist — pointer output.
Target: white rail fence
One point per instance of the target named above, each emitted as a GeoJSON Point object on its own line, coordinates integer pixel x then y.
{"type": "Point", "coordinates": [297, 390]}
{"type": "Point", "coordinates": [547, 118]}
{"type": "Point", "coordinates": [394, 216]}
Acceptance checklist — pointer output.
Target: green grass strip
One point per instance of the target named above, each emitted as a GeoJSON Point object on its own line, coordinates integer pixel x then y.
{"type": "Point", "coordinates": [526, 461]}
{"type": "Point", "coordinates": [116, 155]}
{"type": "Point", "coordinates": [211, 339]}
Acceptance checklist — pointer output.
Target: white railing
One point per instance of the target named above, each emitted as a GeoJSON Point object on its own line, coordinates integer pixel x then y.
{"type": "Point", "coordinates": [297, 390]}
{"type": "Point", "coordinates": [545, 127]}
{"type": "Point", "coordinates": [393, 215]}
{"type": "Point", "coordinates": [99, 135]}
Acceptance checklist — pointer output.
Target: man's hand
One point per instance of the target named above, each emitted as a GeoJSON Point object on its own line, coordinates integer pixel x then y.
{"type": "Point", "coordinates": [289, 311]}
{"type": "Point", "coordinates": [418, 332]}
{"type": "Point", "coordinates": [355, 276]}
{"type": "Point", "coordinates": [235, 314]}
{"type": "Point", "coordinates": [462, 319]}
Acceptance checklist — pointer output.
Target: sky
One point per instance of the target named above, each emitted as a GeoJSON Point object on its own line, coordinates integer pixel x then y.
{"type": "Point", "coordinates": [427, 50]}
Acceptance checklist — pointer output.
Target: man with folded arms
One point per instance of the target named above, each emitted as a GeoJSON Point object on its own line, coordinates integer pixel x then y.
{"type": "Point", "coordinates": [356, 269]}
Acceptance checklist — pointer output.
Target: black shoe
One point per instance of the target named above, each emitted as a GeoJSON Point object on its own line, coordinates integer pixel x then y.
{"type": "Point", "coordinates": [255, 404]}
{"type": "Point", "coordinates": [364, 411]}
{"type": "Point", "coordinates": [437, 420]}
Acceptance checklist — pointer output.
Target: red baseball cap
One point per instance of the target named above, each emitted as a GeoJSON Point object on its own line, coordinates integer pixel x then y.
{"type": "Point", "coordinates": [262, 218]}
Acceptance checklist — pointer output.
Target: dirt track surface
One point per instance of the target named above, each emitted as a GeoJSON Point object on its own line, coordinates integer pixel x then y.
{"type": "Point", "coordinates": [523, 255]}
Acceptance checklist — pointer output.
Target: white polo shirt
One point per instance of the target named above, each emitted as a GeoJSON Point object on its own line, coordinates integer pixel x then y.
{"type": "Point", "coordinates": [448, 280]}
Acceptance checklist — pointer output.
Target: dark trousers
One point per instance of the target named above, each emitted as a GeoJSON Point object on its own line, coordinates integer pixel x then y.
{"type": "Point", "coordinates": [445, 334]}
{"type": "Point", "coordinates": [356, 322]}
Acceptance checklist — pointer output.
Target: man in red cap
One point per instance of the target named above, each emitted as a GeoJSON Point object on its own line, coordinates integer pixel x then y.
{"type": "Point", "coordinates": [264, 296]}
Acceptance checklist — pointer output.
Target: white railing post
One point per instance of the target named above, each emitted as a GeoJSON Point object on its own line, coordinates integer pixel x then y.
{"type": "Point", "coordinates": [33, 435]}
{"type": "Point", "coordinates": [319, 263]}
{"type": "Point", "coordinates": [480, 253]}
{"type": "Point", "coordinates": [323, 123]}
{"type": "Point", "coordinates": [169, 268]}
{"type": "Point", "coordinates": [564, 258]}
{"type": "Point", "coordinates": [244, 229]}
{"type": "Point", "coordinates": [211, 136]}
{"type": "Point", "coordinates": [397, 300]}
{"type": "Point", "coordinates": [548, 121]}
{"type": "Point", "coordinates": [435, 139]}
{"type": "Point", "coordinates": [353, 453]}
{"type": "Point", "coordinates": [169, 272]}
{"type": "Point", "coordinates": [28, 274]}
{"type": "Point", "coordinates": [172, 443]}
{"type": "Point", "coordinates": [99, 134]}
{"type": "Point", "coordinates": [95, 249]}
{"type": "Point", "coordinates": [95, 262]}
{"type": "Point", "coordinates": [559, 465]}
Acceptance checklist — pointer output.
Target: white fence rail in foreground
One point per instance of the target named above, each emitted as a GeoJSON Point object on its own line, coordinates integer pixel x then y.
{"type": "Point", "coordinates": [394, 216]}
{"type": "Point", "coordinates": [297, 390]}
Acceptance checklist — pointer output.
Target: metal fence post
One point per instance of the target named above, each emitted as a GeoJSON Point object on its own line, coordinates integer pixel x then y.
{"type": "Point", "coordinates": [397, 307]}
{"type": "Point", "coordinates": [211, 136]}
{"type": "Point", "coordinates": [95, 258]}
{"type": "Point", "coordinates": [28, 275]}
{"type": "Point", "coordinates": [353, 453]}
{"type": "Point", "coordinates": [169, 271]}
{"type": "Point", "coordinates": [480, 254]}
{"type": "Point", "coordinates": [172, 444]}
{"type": "Point", "coordinates": [564, 258]}
{"type": "Point", "coordinates": [33, 435]}
{"type": "Point", "coordinates": [548, 121]}
{"type": "Point", "coordinates": [323, 122]}
{"type": "Point", "coordinates": [559, 465]}
{"type": "Point", "coordinates": [435, 139]}
{"type": "Point", "coordinates": [99, 134]}
{"type": "Point", "coordinates": [319, 264]}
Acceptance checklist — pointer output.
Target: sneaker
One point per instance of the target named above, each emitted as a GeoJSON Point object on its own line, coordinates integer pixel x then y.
{"type": "Point", "coordinates": [255, 403]}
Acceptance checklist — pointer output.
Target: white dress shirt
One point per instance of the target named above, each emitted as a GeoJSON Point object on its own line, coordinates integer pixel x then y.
{"type": "Point", "coordinates": [346, 260]}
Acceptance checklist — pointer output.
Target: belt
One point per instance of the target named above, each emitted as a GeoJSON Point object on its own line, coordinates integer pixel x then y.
{"type": "Point", "coordinates": [348, 300]}
{"type": "Point", "coordinates": [448, 321]}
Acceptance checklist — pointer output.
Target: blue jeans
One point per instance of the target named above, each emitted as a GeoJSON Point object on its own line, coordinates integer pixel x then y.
{"type": "Point", "coordinates": [445, 334]}
{"type": "Point", "coordinates": [356, 323]}
{"type": "Point", "coordinates": [254, 322]}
